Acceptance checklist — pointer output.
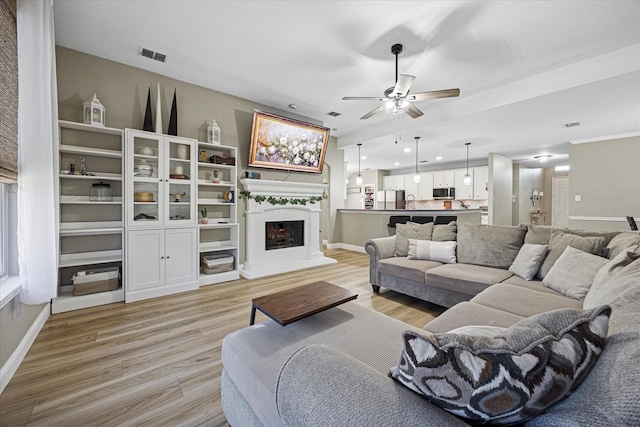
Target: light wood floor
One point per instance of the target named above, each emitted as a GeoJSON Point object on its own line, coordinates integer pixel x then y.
{"type": "Point", "coordinates": [157, 362]}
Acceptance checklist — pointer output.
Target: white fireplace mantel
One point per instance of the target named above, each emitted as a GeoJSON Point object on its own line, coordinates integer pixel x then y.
{"type": "Point", "coordinates": [260, 262]}
{"type": "Point", "coordinates": [264, 187]}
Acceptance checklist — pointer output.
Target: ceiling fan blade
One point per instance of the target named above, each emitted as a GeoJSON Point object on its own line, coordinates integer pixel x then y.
{"type": "Point", "coordinates": [363, 98]}
{"type": "Point", "coordinates": [413, 111]}
{"type": "Point", "coordinates": [403, 85]}
{"type": "Point", "coordinates": [446, 93]}
{"type": "Point", "coordinates": [371, 113]}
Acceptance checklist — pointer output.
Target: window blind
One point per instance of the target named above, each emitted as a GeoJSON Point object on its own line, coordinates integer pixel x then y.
{"type": "Point", "coordinates": [8, 92]}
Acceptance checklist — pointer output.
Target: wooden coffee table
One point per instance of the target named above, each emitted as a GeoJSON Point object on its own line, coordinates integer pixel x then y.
{"type": "Point", "coordinates": [294, 304]}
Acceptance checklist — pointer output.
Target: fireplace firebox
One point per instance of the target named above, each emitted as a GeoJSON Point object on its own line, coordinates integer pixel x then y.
{"type": "Point", "coordinates": [284, 234]}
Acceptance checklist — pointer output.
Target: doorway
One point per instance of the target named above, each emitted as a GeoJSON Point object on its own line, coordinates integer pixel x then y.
{"type": "Point", "coordinates": [560, 202]}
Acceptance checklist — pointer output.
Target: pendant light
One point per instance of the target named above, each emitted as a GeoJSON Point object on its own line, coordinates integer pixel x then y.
{"type": "Point", "coordinates": [467, 177]}
{"type": "Point", "coordinates": [359, 177]}
{"type": "Point", "coordinates": [416, 177]}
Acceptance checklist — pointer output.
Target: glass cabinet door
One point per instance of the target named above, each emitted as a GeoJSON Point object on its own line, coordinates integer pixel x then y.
{"type": "Point", "coordinates": [179, 179]}
{"type": "Point", "coordinates": [146, 170]}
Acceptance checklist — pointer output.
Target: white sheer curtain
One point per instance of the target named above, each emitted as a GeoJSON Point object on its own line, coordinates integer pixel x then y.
{"type": "Point", "coordinates": [37, 142]}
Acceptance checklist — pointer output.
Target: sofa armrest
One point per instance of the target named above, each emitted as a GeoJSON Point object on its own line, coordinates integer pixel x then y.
{"type": "Point", "coordinates": [380, 248]}
{"type": "Point", "coordinates": [321, 386]}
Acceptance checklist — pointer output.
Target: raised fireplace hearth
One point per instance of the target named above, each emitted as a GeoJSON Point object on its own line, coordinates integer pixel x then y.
{"type": "Point", "coordinates": [282, 238]}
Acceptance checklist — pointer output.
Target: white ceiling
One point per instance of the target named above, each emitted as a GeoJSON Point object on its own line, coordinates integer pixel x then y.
{"type": "Point", "coordinates": [524, 68]}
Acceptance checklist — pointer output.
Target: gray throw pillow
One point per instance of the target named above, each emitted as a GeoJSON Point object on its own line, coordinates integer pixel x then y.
{"type": "Point", "coordinates": [600, 289]}
{"type": "Point", "coordinates": [559, 242]}
{"type": "Point", "coordinates": [528, 261]}
{"type": "Point", "coordinates": [411, 230]}
{"type": "Point", "coordinates": [489, 245]}
{"type": "Point", "coordinates": [573, 273]}
{"type": "Point", "coordinates": [444, 232]}
{"type": "Point", "coordinates": [504, 376]}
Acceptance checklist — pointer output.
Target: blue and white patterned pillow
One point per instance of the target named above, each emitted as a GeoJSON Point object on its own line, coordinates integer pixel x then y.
{"type": "Point", "coordinates": [505, 375]}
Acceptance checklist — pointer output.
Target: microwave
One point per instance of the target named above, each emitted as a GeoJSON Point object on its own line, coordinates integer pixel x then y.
{"type": "Point", "coordinates": [444, 193]}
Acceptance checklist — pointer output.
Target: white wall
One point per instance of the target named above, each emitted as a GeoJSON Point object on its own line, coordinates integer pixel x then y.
{"type": "Point", "coordinates": [500, 189]}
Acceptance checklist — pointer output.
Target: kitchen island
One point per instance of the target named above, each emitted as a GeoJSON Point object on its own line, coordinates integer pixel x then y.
{"type": "Point", "coordinates": [356, 226]}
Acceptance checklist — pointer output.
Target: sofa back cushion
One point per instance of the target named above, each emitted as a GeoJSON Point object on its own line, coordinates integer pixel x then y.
{"type": "Point", "coordinates": [411, 230]}
{"type": "Point", "coordinates": [444, 232]}
{"type": "Point", "coordinates": [559, 242]}
{"type": "Point", "coordinates": [622, 242]}
{"type": "Point", "coordinates": [541, 234]}
{"type": "Point", "coordinates": [489, 245]}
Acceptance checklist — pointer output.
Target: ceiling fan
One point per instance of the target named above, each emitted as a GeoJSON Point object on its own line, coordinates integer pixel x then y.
{"type": "Point", "coordinates": [397, 99]}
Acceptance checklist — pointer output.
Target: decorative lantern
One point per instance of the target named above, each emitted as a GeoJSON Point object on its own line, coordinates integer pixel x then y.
{"type": "Point", "coordinates": [213, 133]}
{"type": "Point", "coordinates": [93, 111]}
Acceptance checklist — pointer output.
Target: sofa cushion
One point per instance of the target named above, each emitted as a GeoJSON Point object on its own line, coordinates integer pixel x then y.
{"type": "Point", "coordinates": [444, 232]}
{"type": "Point", "coordinates": [433, 251]}
{"type": "Point", "coordinates": [505, 375]}
{"type": "Point", "coordinates": [488, 245]}
{"type": "Point", "coordinates": [541, 234]}
{"type": "Point", "coordinates": [523, 302]}
{"type": "Point", "coordinates": [254, 356]}
{"type": "Point", "coordinates": [621, 242]}
{"type": "Point", "coordinates": [528, 260]}
{"type": "Point", "coordinates": [573, 273]}
{"type": "Point", "coordinates": [469, 313]}
{"type": "Point", "coordinates": [411, 230]}
{"type": "Point", "coordinates": [465, 278]}
{"type": "Point", "coordinates": [534, 285]}
{"type": "Point", "coordinates": [410, 269]}
{"type": "Point", "coordinates": [559, 242]}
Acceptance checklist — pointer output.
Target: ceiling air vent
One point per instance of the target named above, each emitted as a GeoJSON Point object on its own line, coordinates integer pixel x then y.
{"type": "Point", "coordinates": [147, 53]}
{"type": "Point", "coordinates": [333, 114]}
{"type": "Point", "coordinates": [570, 125]}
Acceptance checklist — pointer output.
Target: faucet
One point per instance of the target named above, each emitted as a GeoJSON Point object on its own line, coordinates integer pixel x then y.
{"type": "Point", "coordinates": [411, 195]}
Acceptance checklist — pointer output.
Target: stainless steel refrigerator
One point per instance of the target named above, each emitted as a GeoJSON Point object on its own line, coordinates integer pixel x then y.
{"type": "Point", "coordinates": [390, 200]}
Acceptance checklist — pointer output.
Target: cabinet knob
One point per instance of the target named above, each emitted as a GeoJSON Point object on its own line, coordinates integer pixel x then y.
{"type": "Point", "coordinates": [161, 257]}
{"type": "Point", "coordinates": [168, 257]}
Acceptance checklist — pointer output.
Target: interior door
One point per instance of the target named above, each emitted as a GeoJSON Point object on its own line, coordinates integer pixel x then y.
{"type": "Point", "coordinates": [560, 202]}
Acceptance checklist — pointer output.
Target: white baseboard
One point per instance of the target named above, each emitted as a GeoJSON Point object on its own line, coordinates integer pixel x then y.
{"type": "Point", "coordinates": [10, 368]}
{"type": "Point", "coordinates": [347, 247]}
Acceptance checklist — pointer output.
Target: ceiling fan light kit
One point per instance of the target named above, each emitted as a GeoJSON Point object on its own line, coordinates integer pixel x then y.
{"type": "Point", "coordinates": [396, 99]}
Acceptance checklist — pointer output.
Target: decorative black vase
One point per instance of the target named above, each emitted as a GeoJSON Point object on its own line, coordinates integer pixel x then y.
{"type": "Point", "coordinates": [148, 120]}
{"type": "Point", "coordinates": [173, 118]}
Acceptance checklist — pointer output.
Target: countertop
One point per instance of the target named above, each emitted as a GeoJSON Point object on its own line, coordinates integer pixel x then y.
{"type": "Point", "coordinates": [408, 211]}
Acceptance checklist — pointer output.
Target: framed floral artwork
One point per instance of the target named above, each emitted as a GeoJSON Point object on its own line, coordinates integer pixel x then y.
{"type": "Point", "coordinates": [281, 143]}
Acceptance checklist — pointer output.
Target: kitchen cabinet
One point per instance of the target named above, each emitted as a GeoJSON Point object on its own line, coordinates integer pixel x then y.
{"type": "Point", "coordinates": [393, 182]}
{"type": "Point", "coordinates": [443, 179]}
{"type": "Point", "coordinates": [481, 183]}
{"type": "Point", "coordinates": [217, 197]}
{"type": "Point", "coordinates": [161, 262]}
{"type": "Point", "coordinates": [91, 228]}
{"type": "Point", "coordinates": [160, 180]}
{"type": "Point", "coordinates": [463, 192]}
{"type": "Point", "coordinates": [425, 188]}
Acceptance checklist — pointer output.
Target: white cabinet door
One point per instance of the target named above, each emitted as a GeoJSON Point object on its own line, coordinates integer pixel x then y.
{"type": "Point", "coordinates": [388, 183]}
{"type": "Point", "coordinates": [411, 189]}
{"type": "Point", "coordinates": [399, 181]}
{"type": "Point", "coordinates": [443, 179]}
{"type": "Point", "coordinates": [425, 188]}
{"type": "Point", "coordinates": [481, 183]}
{"type": "Point", "coordinates": [145, 260]}
{"type": "Point", "coordinates": [160, 262]}
{"type": "Point", "coordinates": [181, 258]}
{"type": "Point", "coordinates": [463, 192]}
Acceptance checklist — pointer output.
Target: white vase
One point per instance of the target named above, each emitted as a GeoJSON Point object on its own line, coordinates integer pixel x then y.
{"type": "Point", "coordinates": [181, 151]}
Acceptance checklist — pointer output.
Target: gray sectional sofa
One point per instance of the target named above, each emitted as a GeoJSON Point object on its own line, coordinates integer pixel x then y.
{"type": "Point", "coordinates": [332, 369]}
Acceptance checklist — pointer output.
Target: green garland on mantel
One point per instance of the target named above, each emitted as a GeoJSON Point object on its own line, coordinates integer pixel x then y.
{"type": "Point", "coordinates": [279, 200]}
